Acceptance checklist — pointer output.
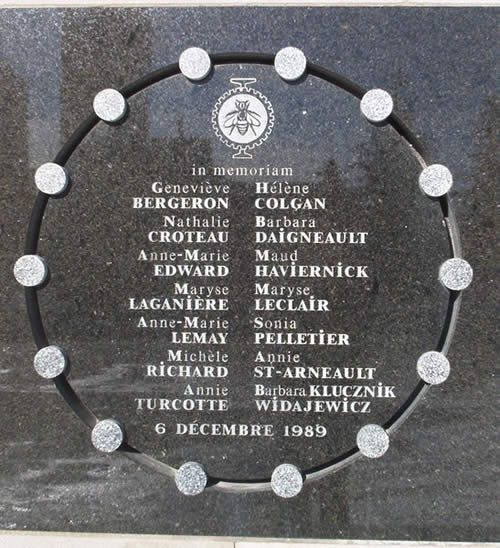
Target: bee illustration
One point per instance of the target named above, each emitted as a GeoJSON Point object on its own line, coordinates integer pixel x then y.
{"type": "Point", "coordinates": [242, 119]}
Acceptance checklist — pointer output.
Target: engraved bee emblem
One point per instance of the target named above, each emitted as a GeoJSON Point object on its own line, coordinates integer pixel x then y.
{"type": "Point", "coordinates": [243, 117]}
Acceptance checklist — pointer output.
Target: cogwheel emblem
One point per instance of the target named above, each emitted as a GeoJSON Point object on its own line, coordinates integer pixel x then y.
{"type": "Point", "coordinates": [243, 117]}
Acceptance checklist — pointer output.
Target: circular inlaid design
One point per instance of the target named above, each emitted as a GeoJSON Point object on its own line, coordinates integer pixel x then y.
{"type": "Point", "coordinates": [372, 441]}
{"type": "Point", "coordinates": [433, 367]}
{"type": "Point", "coordinates": [435, 180]}
{"type": "Point", "coordinates": [51, 179]}
{"type": "Point", "coordinates": [195, 64]}
{"type": "Point", "coordinates": [286, 481]}
{"type": "Point", "coordinates": [50, 362]}
{"type": "Point", "coordinates": [110, 105]}
{"type": "Point", "coordinates": [243, 117]}
{"type": "Point", "coordinates": [31, 270]}
{"type": "Point", "coordinates": [376, 105]}
{"type": "Point", "coordinates": [191, 479]}
{"type": "Point", "coordinates": [107, 435]}
{"type": "Point", "coordinates": [456, 274]}
{"type": "Point", "coordinates": [290, 63]}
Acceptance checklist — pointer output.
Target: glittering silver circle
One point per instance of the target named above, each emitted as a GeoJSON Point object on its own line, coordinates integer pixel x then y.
{"type": "Point", "coordinates": [376, 105]}
{"type": "Point", "coordinates": [31, 270]}
{"type": "Point", "coordinates": [50, 362]}
{"type": "Point", "coordinates": [433, 367]}
{"type": "Point", "coordinates": [51, 178]}
{"type": "Point", "coordinates": [286, 480]}
{"type": "Point", "coordinates": [110, 105]}
{"type": "Point", "coordinates": [195, 63]}
{"type": "Point", "coordinates": [372, 441]}
{"type": "Point", "coordinates": [290, 63]}
{"type": "Point", "coordinates": [191, 479]}
{"type": "Point", "coordinates": [107, 435]}
{"type": "Point", "coordinates": [435, 180]}
{"type": "Point", "coordinates": [455, 274]}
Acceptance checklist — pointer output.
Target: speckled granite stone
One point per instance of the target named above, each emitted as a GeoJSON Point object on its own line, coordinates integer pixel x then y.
{"type": "Point", "coordinates": [436, 481]}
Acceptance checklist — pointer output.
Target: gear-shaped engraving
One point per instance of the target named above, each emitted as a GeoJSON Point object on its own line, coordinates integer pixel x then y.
{"type": "Point", "coordinates": [243, 117]}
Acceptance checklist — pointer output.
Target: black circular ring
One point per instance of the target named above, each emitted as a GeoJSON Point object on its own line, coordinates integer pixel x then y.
{"type": "Point", "coordinates": [33, 308]}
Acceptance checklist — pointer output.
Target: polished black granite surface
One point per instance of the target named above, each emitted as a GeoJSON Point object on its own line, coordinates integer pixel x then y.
{"type": "Point", "coordinates": [437, 480]}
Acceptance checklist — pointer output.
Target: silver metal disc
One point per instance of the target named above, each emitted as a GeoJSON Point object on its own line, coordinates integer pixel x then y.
{"type": "Point", "coordinates": [376, 105]}
{"type": "Point", "coordinates": [372, 441]}
{"type": "Point", "coordinates": [195, 63]}
{"type": "Point", "coordinates": [456, 274]}
{"type": "Point", "coordinates": [433, 367]}
{"type": "Point", "coordinates": [107, 435]}
{"type": "Point", "coordinates": [110, 105]}
{"type": "Point", "coordinates": [51, 178]}
{"type": "Point", "coordinates": [31, 270]}
{"type": "Point", "coordinates": [191, 479]}
{"type": "Point", "coordinates": [290, 63]}
{"type": "Point", "coordinates": [435, 180]}
{"type": "Point", "coordinates": [50, 362]}
{"type": "Point", "coordinates": [286, 480]}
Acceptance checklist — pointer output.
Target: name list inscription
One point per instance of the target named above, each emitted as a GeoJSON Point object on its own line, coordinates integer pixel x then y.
{"type": "Point", "coordinates": [188, 251]}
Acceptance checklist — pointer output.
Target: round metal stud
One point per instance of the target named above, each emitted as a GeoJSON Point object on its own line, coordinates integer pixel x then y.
{"type": "Point", "coordinates": [372, 441]}
{"type": "Point", "coordinates": [195, 64]}
{"type": "Point", "coordinates": [286, 481]}
{"type": "Point", "coordinates": [376, 105]}
{"type": "Point", "coordinates": [455, 274]}
{"type": "Point", "coordinates": [110, 105]}
{"type": "Point", "coordinates": [435, 180]}
{"type": "Point", "coordinates": [290, 63]}
{"type": "Point", "coordinates": [191, 479]}
{"type": "Point", "coordinates": [433, 367]}
{"type": "Point", "coordinates": [31, 270]}
{"type": "Point", "coordinates": [51, 178]}
{"type": "Point", "coordinates": [107, 435]}
{"type": "Point", "coordinates": [50, 362]}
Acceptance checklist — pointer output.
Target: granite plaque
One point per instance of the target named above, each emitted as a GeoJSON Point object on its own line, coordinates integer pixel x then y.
{"type": "Point", "coordinates": [242, 266]}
